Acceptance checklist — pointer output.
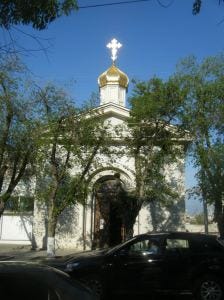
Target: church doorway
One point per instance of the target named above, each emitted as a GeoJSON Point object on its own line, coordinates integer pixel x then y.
{"type": "Point", "coordinates": [108, 219]}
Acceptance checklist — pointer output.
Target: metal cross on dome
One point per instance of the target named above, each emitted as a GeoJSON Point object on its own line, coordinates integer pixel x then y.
{"type": "Point", "coordinates": [114, 45]}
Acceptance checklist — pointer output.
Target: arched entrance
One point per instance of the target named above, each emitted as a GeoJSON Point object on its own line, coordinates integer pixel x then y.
{"type": "Point", "coordinates": [108, 220]}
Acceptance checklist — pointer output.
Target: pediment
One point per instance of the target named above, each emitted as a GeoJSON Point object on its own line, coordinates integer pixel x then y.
{"type": "Point", "coordinates": [109, 110]}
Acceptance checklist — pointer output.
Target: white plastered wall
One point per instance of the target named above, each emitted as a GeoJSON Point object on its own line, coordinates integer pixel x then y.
{"type": "Point", "coordinates": [171, 218]}
{"type": "Point", "coordinates": [113, 93]}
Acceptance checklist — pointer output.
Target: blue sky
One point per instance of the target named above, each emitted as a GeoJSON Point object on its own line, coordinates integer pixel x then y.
{"type": "Point", "coordinates": [154, 39]}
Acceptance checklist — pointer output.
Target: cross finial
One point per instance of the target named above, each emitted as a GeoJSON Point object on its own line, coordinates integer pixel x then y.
{"type": "Point", "coordinates": [114, 45]}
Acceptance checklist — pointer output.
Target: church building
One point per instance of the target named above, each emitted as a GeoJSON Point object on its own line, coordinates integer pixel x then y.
{"type": "Point", "coordinates": [96, 223]}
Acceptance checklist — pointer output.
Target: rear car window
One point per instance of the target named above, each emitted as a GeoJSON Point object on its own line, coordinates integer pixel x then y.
{"type": "Point", "coordinates": [177, 244]}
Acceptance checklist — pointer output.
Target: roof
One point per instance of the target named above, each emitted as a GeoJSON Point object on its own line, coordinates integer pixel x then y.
{"type": "Point", "coordinates": [112, 109]}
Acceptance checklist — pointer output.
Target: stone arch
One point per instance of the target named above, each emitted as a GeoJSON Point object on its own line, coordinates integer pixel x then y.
{"type": "Point", "coordinates": [126, 176]}
{"type": "Point", "coordinates": [107, 184]}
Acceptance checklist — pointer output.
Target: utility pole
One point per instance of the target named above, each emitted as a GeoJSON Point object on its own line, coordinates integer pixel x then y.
{"type": "Point", "coordinates": [205, 211]}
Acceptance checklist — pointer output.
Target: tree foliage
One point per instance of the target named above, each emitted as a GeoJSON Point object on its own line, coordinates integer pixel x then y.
{"type": "Point", "coordinates": [203, 115]}
{"type": "Point", "coordinates": [17, 135]}
{"type": "Point", "coordinates": [154, 140]}
{"type": "Point", "coordinates": [197, 219]}
{"type": "Point", "coordinates": [38, 13]}
{"type": "Point", "coordinates": [70, 141]}
{"type": "Point", "coordinates": [197, 4]}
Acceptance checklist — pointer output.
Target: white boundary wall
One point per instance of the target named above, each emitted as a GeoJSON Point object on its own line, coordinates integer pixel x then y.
{"type": "Point", "coordinates": [16, 229]}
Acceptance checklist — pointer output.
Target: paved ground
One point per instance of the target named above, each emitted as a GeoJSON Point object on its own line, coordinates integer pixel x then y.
{"type": "Point", "coordinates": [24, 252]}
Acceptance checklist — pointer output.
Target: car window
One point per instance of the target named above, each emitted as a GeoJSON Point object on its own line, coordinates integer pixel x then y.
{"type": "Point", "coordinates": [175, 244]}
{"type": "Point", "coordinates": [144, 247]}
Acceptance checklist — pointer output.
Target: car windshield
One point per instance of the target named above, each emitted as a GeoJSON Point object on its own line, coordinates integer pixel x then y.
{"type": "Point", "coordinates": [112, 249]}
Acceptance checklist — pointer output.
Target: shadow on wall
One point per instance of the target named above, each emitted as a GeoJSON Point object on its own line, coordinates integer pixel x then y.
{"type": "Point", "coordinates": [170, 214]}
{"type": "Point", "coordinates": [26, 224]}
{"type": "Point", "coordinates": [84, 243]}
{"type": "Point", "coordinates": [67, 224]}
{"type": "Point", "coordinates": [167, 217]}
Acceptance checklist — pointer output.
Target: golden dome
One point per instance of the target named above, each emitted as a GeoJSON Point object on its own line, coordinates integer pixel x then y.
{"type": "Point", "coordinates": [113, 76]}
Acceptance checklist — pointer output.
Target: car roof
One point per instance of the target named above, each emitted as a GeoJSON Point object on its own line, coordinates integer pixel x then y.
{"type": "Point", "coordinates": [181, 234]}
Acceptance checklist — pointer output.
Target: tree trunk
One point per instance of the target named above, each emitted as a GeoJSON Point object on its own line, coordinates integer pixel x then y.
{"type": "Point", "coordinates": [51, 246]}
{"type": "Point", "coordinates": [130, 219]}
{"type": "Point", "coordinates": [2, 207]}
{"type": "Point", "coordinates": [51, 236]}
{"type": "Point", "coordinates": [3, 199]}
{"type": "Point", "coordinates": [129, 232]}
{"type": "Point", "coordinates": [220, 224]}
{"type": "Point", "coordinates": [52, 222]}
{"type": "Point", "coordinates": [219, 216]}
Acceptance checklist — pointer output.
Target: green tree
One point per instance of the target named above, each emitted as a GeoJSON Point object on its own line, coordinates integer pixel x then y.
{"type": "Point", "coordinates": [197, 4]}
{"type": "Point", "coordinates": [17, 143]}
{"type": "Point", "coordinates": [197, 219]}
{"type": "Point", "coordinates": [70, 141]}
{"type": "Point", "coordinates": [155, 143]}
{"type": "Point", "coordinates": [38, 13]}
{"type": "Point", "coordinates": [203, 115]}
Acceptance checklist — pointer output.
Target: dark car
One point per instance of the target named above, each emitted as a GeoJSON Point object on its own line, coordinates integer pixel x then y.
{"type": "Point", "coordinates": [174, 262]}
{"type": "Point", "coordinates": [6, 257]}
{"type": "Point", "coordinates": [26, 281]}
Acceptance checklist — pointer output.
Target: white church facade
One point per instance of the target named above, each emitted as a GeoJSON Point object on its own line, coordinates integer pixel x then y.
{"type": "Point", "coordinates": [81, 226]}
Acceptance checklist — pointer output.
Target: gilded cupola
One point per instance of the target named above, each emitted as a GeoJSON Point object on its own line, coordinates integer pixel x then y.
{"type": "Point", "coordinates": [113, 83]}
{"type": "Point", "coordinates": [113, 75]}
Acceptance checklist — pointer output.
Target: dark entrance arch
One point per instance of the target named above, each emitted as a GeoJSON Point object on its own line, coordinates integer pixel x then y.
{"type": "Point", "coordinates": [108, 221]}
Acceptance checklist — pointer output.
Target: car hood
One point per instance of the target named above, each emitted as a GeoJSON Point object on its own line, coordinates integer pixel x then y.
{"type": "Point", "coordinates": [61, 261]}
{"type": "Point", "coordinates": [84, 255]}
